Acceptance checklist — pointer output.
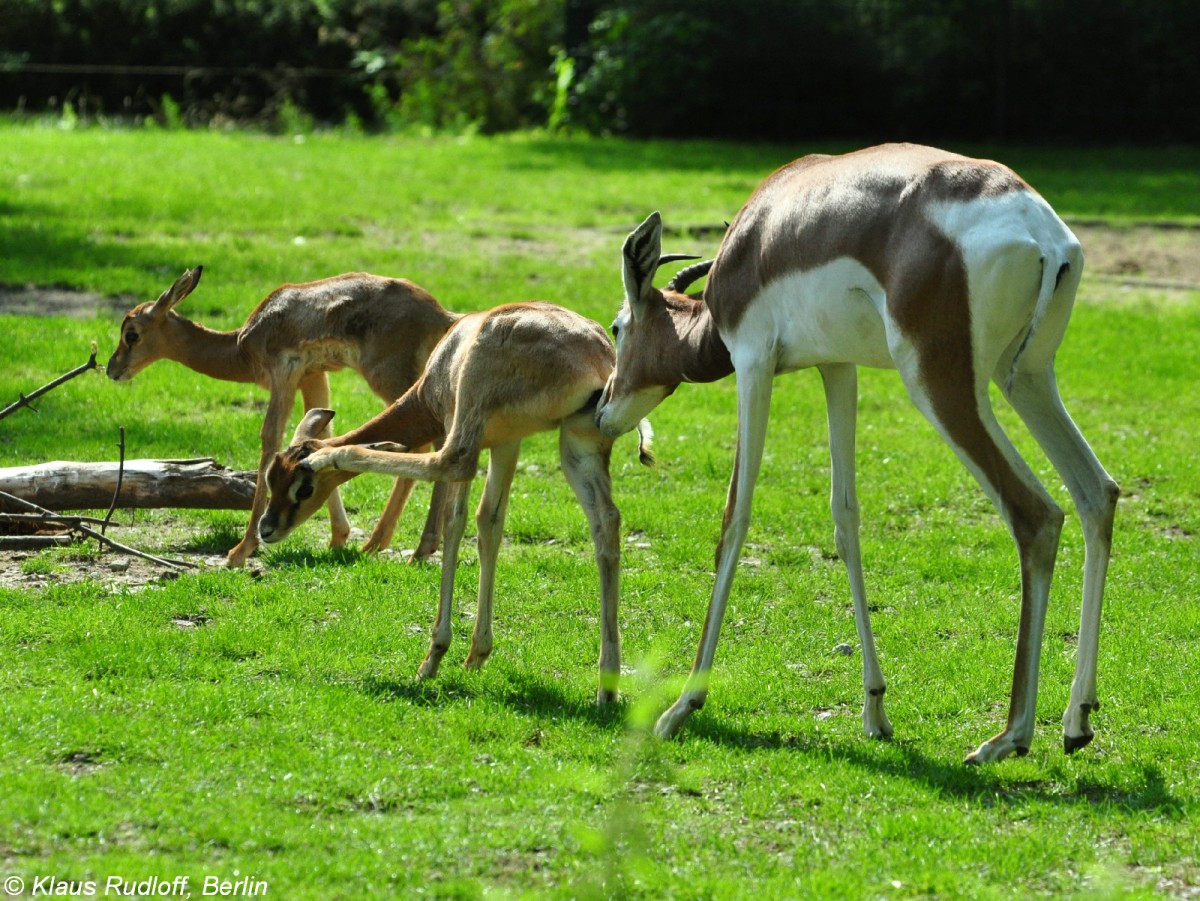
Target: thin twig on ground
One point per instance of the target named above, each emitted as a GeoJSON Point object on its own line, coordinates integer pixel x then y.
{"type": "Point", "coordinates": [50, 519]}
{"type": "Point", "coordinates": [92, 533]}
{"type": "Point", "coordinates": [120, 478]}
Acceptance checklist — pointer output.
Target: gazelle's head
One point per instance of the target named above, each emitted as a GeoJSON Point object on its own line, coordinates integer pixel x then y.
{"type": "Point", "coordinates": [297, 490]}
{"type": "Point", "coordinates": [145, 331]}
{"type": "Point", "coordinates": [647, 331]}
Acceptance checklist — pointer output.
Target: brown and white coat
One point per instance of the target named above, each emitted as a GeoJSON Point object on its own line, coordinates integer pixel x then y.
{"type": "Point", "coordinates": [952, 271]}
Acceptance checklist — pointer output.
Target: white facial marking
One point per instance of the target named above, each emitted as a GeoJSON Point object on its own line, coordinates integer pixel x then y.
{"type": "Point", "coordinates": [622, 414]}
{"type": "Point", "coordinates": [620, 325]}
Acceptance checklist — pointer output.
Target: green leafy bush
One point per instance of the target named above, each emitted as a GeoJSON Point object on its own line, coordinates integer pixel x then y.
{"type": "Point", "coordinates": [280, 62]}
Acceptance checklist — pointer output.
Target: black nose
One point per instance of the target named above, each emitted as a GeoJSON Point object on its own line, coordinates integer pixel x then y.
{"type": "Point", "coordinates": [265, 530]}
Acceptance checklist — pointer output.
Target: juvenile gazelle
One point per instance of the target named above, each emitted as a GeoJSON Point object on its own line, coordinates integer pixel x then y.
{"type": "Point", "coordinates": [952, 271]}
{"type": "Point", "coordinates": [385, 328]}
{"type": "Point", "coordinates": [497, 377]}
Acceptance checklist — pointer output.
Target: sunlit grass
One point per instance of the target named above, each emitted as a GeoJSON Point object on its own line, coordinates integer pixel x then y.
{"type": "Point", "coordinates": [272, 726]}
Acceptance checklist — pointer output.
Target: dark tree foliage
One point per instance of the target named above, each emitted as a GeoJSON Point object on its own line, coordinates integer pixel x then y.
{"type": "Point", "coordinates": [1043, 70]}
{"type": "Point", "coordinates": [239, 58]}
{"type": "Point", "coordinates": [1017, 70]}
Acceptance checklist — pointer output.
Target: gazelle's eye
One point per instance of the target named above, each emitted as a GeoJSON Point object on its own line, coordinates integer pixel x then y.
{"type": "Point", "coordinates": [615, 329]}
{"type": "Point", "coordinates": [304, 492]}
{"type": "Point", "coordinates": [131, 337]}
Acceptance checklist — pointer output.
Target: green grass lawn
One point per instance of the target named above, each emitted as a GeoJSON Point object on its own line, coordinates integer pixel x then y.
{"type": "Point", "coordinates": [233, 725]}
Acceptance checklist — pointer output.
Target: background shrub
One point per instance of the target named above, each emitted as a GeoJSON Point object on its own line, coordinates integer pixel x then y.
{"type": "Point", "coordinates": [1072, 70]}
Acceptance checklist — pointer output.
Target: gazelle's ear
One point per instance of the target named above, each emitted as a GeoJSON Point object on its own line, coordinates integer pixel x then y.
{"type": "Point", "coordinates": [184, 285]}
{"type": "Point", "coordinates": [640, 260]}
{"type": "Point", "coordinates": [315, 421]}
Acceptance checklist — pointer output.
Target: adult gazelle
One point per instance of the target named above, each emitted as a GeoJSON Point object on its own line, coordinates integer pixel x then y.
{"type": "Point", "coordinates": [954, 272]}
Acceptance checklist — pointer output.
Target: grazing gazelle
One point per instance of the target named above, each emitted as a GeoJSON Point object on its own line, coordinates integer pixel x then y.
{"type": "Point", "coordinates": [385, 328]}
{"type": "Point", "coordinates": [497, 377]}
{"type": "Point", "coordinates": [952, 271]}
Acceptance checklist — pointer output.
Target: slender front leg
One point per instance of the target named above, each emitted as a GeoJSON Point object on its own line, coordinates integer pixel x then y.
{"type": "Point", "coordinates": [271, 435]}
{"type": "Point", "coordinates": [446, 465]}
{"type": "Point", "coordinates": [489, 519]}
{"type": "Point", "coordinates": [754, 406]}
{"type": "Point", "coordinates": [841, 398]}
{"type": "Point", "coordinates": [456, 517]}
{"type": "Point", "coordinates": [385, 528]}
{"type": "Point", "coordinates": [431, 535]}
{"type": "Point", "coordinates": [585, 458]}
{"type": "Point", "coordinates": [314, 390]}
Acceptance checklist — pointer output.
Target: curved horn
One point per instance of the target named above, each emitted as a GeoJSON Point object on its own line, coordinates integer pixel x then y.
{"type": "Point", "coordinates": [684, 277]}
{"type": "Point", "coordinates": [675, 258]}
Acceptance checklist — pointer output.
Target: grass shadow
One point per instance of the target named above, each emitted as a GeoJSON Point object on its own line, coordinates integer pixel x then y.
{"type": "Point", "coordinates": [1140, 790]}
{"type": "Point", "coordinates": [985, 785]}
{"type": "Point", "coordinates": [417, 692]}
{"type": "Point", "coordinates": [213, 541]}
{"type": "Point", "coordinates": [525, 695]}
{"type": "Point", "coordinates": [547, 698]}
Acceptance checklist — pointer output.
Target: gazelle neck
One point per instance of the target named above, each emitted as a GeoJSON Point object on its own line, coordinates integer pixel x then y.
{"type": "Point", "coordinates": [703, 355]}
{"type": "Point", "coordinates": [210, 352]}
{"type": "Point", "coordinates": [409, 421]}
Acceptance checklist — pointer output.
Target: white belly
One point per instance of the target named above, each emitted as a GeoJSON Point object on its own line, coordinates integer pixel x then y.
{"type": "Point", "coordinates": [831, 314]}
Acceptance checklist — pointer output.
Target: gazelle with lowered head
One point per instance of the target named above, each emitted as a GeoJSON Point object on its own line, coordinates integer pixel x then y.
{"type": "Point", "coordinates": [385, 328]}
{"type": "Point", "coordinates": [497, 377]}
{"type": "Point", "coordinates": [952, 271]}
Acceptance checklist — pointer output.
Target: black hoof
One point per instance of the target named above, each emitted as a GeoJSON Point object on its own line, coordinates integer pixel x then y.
{"type": "Point", "coordinates": [1072, 743]}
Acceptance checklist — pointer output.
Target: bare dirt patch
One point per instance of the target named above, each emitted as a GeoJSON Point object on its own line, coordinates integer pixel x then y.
{"type": "Point", "coordinates": [56, 300]}
{"type": "Point", "coordinates": [1152, 256]}
{"type": "Point", "coordinates": [160, 533]}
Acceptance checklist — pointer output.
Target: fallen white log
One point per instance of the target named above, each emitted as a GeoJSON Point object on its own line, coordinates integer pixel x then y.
{"type": "Point", "coordinates": [63, 485]}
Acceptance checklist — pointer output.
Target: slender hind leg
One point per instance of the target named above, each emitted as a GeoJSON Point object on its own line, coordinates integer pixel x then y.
{"type": "Point", "coordinates": [841, 398]}
{"type": "Point", "coordinates": [1035, 397]}
{"type": "Point", "coordinates": [431, 534]}
{"type": "Point", "coordinates": [960, 410]}
{"type": "Point", "coordinates": [754, 405]}
{"type": "Point", "coordinates": [585, 461]}
{"type": "Point", "coordinates": [489, 519]}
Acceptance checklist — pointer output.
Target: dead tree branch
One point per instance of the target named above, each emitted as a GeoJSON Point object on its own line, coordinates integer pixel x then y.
{"type": "Point", "coordinates": [26, 400]}
{"type": "Point", "coordinates": [53, 520]}
{"type": "Point", "coordinates": [92, 533]}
